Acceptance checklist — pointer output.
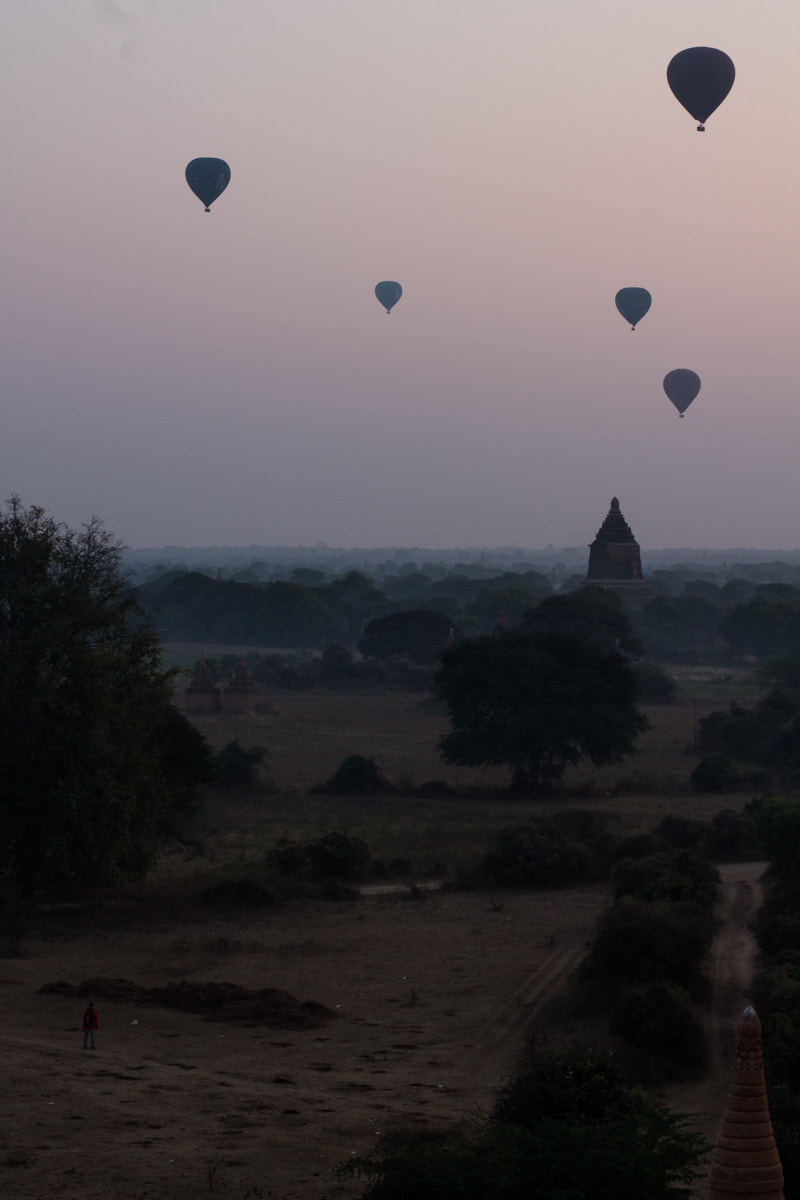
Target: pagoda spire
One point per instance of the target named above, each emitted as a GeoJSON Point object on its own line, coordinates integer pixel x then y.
{"type": "Point", "coordinates": [745, 1163]}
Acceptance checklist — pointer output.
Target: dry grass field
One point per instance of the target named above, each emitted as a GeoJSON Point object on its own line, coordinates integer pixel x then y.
{"type": "Point", "coordinates": [433, 992]}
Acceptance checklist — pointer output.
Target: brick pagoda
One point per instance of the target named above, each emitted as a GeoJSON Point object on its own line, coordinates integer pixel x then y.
{"type": "Point", "coordinates": [202, 694]}
{"type": "Point", "coordinates": [241, 693]}
{"type": "Point", "coordinates": [745, 1164]}
{"type": "Point", "coordinates": [615, 561]}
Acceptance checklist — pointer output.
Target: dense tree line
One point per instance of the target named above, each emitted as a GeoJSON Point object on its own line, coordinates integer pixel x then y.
{"type": "Point", "coordinates": [690, 620]}
{"type": "Point", "coordinates": [768, 734]}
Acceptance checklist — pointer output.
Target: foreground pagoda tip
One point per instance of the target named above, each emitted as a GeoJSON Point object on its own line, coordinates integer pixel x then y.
{"type": "Point", "coordinates": [745, 1163]}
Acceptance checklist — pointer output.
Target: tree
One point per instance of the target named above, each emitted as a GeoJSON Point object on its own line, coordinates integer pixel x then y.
{"type": "Point", "coordinates": [94, 761]}
{"type": "Point", "coordinates": [596, 613]}
{"type": "Point", "coordinates": [418, 635]}
{"type": "Point", "coordinates": [537, 702]}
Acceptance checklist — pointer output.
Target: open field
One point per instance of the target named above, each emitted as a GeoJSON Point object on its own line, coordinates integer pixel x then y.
{"type": "Point", "coordinates": [433, 992]}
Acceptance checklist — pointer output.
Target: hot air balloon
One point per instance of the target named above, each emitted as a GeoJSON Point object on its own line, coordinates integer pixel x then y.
{"type": "Point", "coordinates": [700, 79]}
{"type": "Point", "coordinates": [633, 303]}
{"type": "Point", "coordinates": [681, 386]}
{"type": "Point", "coordinates": [388, 292]}
{"type": "Point", "coordinates": [208, 178]}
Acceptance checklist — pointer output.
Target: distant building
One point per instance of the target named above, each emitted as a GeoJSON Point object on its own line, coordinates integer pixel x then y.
{"type": "Point", "coordinates": [202, 694]}
{"type": "Point", "coordinates": [241, 693]}
{"type": "Point", "coordinates": [615, 560]}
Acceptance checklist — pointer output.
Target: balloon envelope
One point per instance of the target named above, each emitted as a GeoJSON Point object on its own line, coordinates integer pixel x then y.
{"type": "Point", "coordinates": [681, 386]}
{"type": "Point", "coordinates": [700, 79]}
{"type": "Point", "coordinates": [208, 178]}
{"type": "Point", "coordinates": [388, 292]}
{"type": "Point", "coordinates": [633, 303]}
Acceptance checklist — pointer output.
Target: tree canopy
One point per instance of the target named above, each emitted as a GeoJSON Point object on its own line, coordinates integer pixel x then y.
{"type": "Point", "coordinates": [94, 761]}
{"type": "Point", "coordinates": [537, 702]}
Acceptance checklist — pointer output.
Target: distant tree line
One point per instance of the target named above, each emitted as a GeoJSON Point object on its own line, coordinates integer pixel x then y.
{"type": "Point", "coordinates": [409, 616]}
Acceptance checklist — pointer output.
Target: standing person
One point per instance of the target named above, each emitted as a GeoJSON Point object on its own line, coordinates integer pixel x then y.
{"type": "Point", "coordinates": [91, 1022]}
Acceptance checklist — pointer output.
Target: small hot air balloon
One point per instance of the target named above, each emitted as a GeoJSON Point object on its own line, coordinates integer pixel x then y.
{"type": "Point", "coordinates": [388, 292]}
{"type": "Point", "coordinates": [208, 178]}
{"type": "Point", "coordinates": [681, 386]}
{"type": "Point", "coordinates": [633, 303]}
{"type": "Point", "coordinates": [700, 79]}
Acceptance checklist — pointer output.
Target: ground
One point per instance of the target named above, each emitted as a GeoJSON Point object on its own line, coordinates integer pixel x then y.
{"type": "Point", "coordinates": [434, 992]}
{"type": "Point", "coordinates": [433, 997]}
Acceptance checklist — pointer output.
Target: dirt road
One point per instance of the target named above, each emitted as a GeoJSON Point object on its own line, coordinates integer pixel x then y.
{"type": "Point", "coordinates": [732, 962]}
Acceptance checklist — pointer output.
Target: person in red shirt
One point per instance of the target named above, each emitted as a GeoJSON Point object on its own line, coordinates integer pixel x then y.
{"type": "Point", "coordinates": [90, 1022]}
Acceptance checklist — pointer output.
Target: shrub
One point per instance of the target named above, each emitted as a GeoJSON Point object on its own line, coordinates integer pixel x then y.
{"type": "Point", "coordinates": [642, 942]}
{"type": "Point", "coordinates": [682, 831]}
{"type": "Point", "coordinates": [655, 685]}
{"type": "Point", "coordinates": [733, 835]}
{"type": "Point", "coordinates": [657, 1020]}
{"type": "Point", "coordinates": [333, 856]}
{"type": "Point", "coordinates": [238, 894]}
{"type": "Point", "coordinates": [237, 766]}
{"type": "Point", "coordinates": [531, 856]}
{"type": "Point", "coordinates": [676, 876]}
{"type": "Point", "coordinates": [339, 856]}
{"type": "Point", "coordinates": [358, 775]}
{"type": "Point", "coordinates": [715, 773]}
{"type": "Point", "coordinates": [17, 921]}
{"type": "Point", "coordinates": [567, 1126]}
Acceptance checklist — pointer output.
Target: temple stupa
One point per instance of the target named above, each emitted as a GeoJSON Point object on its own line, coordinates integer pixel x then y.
{"type": "Point", "coordinates": [745, 1163]}
{"type": "Point", "coordinates": [615, 561]}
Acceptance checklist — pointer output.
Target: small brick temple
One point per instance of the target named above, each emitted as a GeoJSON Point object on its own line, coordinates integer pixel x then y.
{"type": "Point", "coordinates": [241, 693]}
{"type": "Point", "coordinates": [615, 560]}
{"type": "Point", "coordinates": [202, 694]}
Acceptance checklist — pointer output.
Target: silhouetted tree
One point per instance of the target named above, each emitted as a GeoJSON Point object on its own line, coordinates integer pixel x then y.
{"type": "Point", "coordinates": [537, 702]}
{"type": "Point", "coordinates": [93, 758]}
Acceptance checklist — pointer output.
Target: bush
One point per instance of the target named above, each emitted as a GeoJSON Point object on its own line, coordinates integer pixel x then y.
{"type": "Point", "coordinates": [333, 856]}
{"type": "Point", "coordinates": [657, 1020]}
{"type": "Point", "coordinates": [339, 856]}
{"type": "Point", "coordinates": [733, 836]}
{"type": "Point", "coordinates": [17, 921]}
{"type": "Point", "coordinates": [534, 856]}
{"type": "Point", "coordinates": [676, 876]}
{"type": "Point", "coordinates": [238, 894]}
{"type": "Point", "coordinates": [358, 775]}
{"type": "Point", "coordinates": [655, 685]}
{"type": "Point", "coordinates": [567, 1126]}
{"type": "Point", "coordinates": [237, 766]}
{"type": "Point", "coordinates": [682, 831]}
{"type": "Point", "coordinates": [642, 942]}
{"type": "Point", "coordinates": [715, 773]}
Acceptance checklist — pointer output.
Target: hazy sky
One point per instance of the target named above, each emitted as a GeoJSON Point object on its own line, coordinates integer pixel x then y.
{"type": "Point", "coordinates": [230, 377]}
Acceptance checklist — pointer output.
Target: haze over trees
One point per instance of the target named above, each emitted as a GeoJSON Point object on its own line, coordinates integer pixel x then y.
{"type": "Point", "coordinates": [698, 616]}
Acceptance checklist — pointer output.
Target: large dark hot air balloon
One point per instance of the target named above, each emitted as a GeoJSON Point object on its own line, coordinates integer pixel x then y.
{"type": "Point", "coordinates": [681, 386]}
{"type": "Point", "coordinates": [208, 178]}
{"type": "Point", "coordinates": [633, 303]}
{"type": "Point", "coordinates": [388, 292]}
{"type": "Point", "coordinates": [700, 79]}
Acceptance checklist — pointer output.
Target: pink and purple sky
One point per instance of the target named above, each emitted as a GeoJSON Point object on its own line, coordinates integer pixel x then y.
{"type": "Point", "coordinates": [230, 378]}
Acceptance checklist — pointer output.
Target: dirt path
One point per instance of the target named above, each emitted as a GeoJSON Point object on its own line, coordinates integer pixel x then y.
{"type": "Point", "coordinates": [732, 962]}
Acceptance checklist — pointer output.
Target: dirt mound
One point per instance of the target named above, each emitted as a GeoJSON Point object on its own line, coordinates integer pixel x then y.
{"type": "Point", "coordinates": [214, 1001]}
